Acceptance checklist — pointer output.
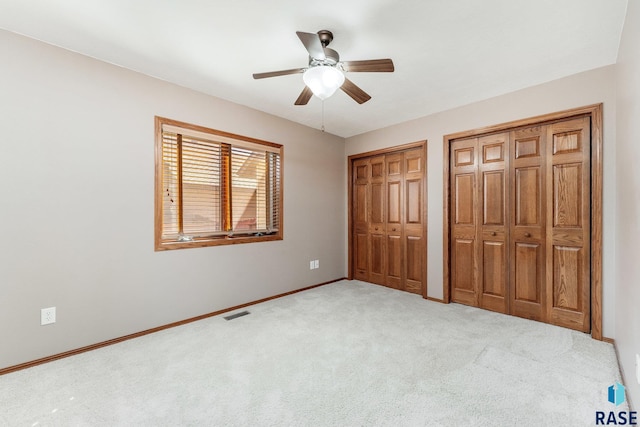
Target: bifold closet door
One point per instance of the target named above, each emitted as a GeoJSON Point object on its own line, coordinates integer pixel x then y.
{"type": "Point", "coordinates": [389, 219]}
{"type": "Point", "coordinates": [493, 232]}
{"type": "Point", "coordinates": [528, 215]}
{"type": "Point", "coordinates": [464, 247]}
{"type": "Point", "coordinates": [479, 232]}
{"type": "Point", "coordinates": [360, 205]}
{"type": "Point", "coordinates": [414, 244]}
{"type": "Point", "coordinates": [369, 219]}
{"type": "Point", "coordinates": [377, 243]}
{"type": "Point", "coordinates": [569, 223]}
{"type": "Point", "coordinates": [520, 218]}
{"type": "Point", "coordinates": [395, 253]}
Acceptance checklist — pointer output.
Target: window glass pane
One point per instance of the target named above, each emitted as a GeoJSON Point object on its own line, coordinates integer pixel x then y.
{"type": "Point", "coordinates": [248, 189]}
{"type": "Point", "coordinates": [201, 202]}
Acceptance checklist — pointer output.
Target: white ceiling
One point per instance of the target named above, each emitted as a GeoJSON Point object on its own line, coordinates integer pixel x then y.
{"type": "Point", "coordinates": [447, 53]}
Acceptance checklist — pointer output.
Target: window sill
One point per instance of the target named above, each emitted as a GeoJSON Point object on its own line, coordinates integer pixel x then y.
{"type": "Point", "coordinates": [163, 245]}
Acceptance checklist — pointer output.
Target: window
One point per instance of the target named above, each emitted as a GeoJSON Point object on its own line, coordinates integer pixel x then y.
{"type": "Point", "coordinates": [215, 188]}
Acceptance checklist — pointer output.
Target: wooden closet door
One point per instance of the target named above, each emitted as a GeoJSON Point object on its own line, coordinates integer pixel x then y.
{"type": "Point", "coordinates": [464, 252]}
{"type": "Point", "coordinates": [568, 224]}
{"type": "Point", "coordinates": [377, 242]}
{"type": "Point", "coordinates": [528, 214]}
{"type": "Point", "coordinates": [493, 236]}
{"type": "Point", "coordinates": [361, 189]}
{"type": "Point", "coordinates": [394, 182]}
{"type": "Point", "coordinates": [414, 217]}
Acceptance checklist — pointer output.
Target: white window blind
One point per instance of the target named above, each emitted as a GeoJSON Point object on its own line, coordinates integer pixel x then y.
{"type": "Point", "coordinates": [248, 189]}
{"type": "Point", "coordinates": [201, 183]}
{"type": "Point", "coordinates": [213, 186]}
{"type": "Point", "coordinates": [273, 199]}
{"type": "Point", "coordinates": [171, 190]}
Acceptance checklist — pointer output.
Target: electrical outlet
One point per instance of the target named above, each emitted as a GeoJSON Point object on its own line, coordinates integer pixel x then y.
{"type": "Point", "coordinates": [317, 263]}
{"type": "Point", "coordinates": [312, 265]}
{"type": "Point", "coordinates": [47, 316]}
{"type": "Point", "coordinates": [638, 368]}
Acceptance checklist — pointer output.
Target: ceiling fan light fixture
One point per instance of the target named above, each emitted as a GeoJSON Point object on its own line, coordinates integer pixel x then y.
{"type": "Point", "coordinates": [323, 80]}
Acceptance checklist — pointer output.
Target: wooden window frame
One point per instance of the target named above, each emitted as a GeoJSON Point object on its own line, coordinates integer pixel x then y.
{"type": "Point", "coordinates": [229, 238]}
{"type": "Point", "coordinates": [595, 112]}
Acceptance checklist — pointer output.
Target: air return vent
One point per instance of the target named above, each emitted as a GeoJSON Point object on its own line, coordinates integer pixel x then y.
{"type": "Point", "coordinates": [236, 315]}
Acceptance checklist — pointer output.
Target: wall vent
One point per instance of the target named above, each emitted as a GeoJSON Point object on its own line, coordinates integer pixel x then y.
{"type": "Point", "coordinates": [236, 315]}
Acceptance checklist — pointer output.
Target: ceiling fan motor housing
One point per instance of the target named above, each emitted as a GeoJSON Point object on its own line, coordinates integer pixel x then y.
{"type": "Point", "coordinates": [331, 58]}
{"type": "Point", "coordinates": [325, 37]}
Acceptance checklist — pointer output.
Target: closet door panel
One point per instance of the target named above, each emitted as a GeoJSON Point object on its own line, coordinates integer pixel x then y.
{"type": "Point", "coordinates": [394, 205]}
{"type": "Point", "coordinates": [394, 261]}
{"type": "Point", "coordinates": [413, 202]}
{"type": "Point", "coordinates": [527, 231]}
{"type": "Point", "coordinates": [414, 249]}
{"type": "Point", "coordinates": [395, 254]}
{"type": "Point", "coordinates": [377, 255]}
{"type": "Point", "coordinates": [494, 258]}
{"type": "Point", "coordinates": [464, 258]}
{"type": "Point", "coordinates": [493, 226]}
{"type": "Point", "coordinates": [567, 278]}
{"type": "Point", "coordinates": [361, 248]}
{"type": "Point", "coordinates": [528, 280]}
{"type": "Point", "coordinates": [464, 198]}
{"type": "Point", "coordinates": [493, 198]}
{"type": "Point", "coordinates": [377, 203]}
{"type": "Point", "coordinates": [464, 222]}
{"type": "Point", "coordinates": [361, 190]}
{"type": "Point", "coordinates": [569, 223]}
{"type": "Point", "coordinates": [414, 221]}
{"type": "Point", "coordinates": [361, 199]}
{"type": "Point", "coordinates": [528, 196]}
{"type": "Point", "coordinates": [568, 187]}
{"type": "Point", "coordinates": [377, 258]}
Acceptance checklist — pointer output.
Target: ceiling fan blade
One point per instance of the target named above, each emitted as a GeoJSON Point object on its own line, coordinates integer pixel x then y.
{"type": "Point", "coordinates": [278, 73]}
{"type": "Point", "coordinates": [370, 66]}
{"type": "Point", "coordinates": [312, 43]}
{"type": "Point", "coordinates": [304, 97]}
{"type": "Point", "coordinates": [355, 92]}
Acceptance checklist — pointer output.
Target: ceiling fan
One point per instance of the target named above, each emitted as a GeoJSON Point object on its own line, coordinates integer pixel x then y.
{"type": "Point", "coordinates": [325, 73]}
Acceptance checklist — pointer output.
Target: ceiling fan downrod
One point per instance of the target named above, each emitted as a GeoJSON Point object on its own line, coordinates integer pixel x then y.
{"type": "Point", "coordinates": [325, 37]}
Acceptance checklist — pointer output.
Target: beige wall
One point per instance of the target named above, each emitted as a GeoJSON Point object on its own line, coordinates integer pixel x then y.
{"type": "Point", "coordinates": [575, 91]}
{"type": "Point", "coordinates": [628, 200]}
{"type": "Point", "coordinates": [77, 167]}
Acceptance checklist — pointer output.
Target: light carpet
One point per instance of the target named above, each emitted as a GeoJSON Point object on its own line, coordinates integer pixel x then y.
{"type": "Point", "coordinates": [345, 354]}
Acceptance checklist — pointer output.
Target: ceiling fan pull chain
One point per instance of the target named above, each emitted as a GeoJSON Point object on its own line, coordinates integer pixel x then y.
{"type": "Point", "coordinates": [322, 127]}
